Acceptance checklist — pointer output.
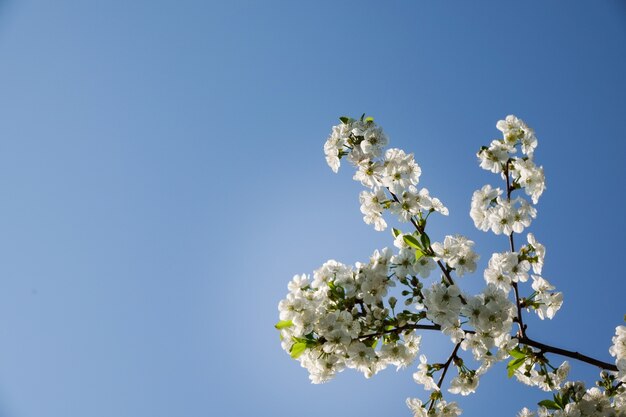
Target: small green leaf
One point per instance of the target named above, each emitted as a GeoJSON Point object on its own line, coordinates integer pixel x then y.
{"type": "Point", "coordinates": [516, 353]}
{"type": "Point", "coordinates": [397, 233]}
{"type": "Point", "coordinates": [283, 324]}
{"type": "Point", "coordinates": [561, 401]}
{"type": "Point", "coordinates": [549, 404]}
{"type": "Point", "coordinates": [297, 349]}
{"type": "Point", "coordinates": [418, 254]}
{"type": "Point", "coordinates": [411, 241]}
{"type": "Point", "coordinates": [345, 120]}
{"type": "Point", "coordinates": [369, 119]}
{"type": "Point", "coordinates": [362, 116]}
{"type": "Point", "coordinates": [514, 365]}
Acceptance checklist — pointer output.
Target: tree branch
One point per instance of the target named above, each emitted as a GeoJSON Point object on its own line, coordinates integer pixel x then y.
{"type": "Point", "coordinates": [568, 353]}
{"type": "Point", "coordinates": [525, 340]}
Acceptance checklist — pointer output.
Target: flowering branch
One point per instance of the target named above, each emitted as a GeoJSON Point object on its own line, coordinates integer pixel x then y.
{"type": "Point", "coordinates": [429, 249]}
{"type": "Point", "coordinates": [346, 316]}
{"type": "Point", "coordinates": [509, 190]}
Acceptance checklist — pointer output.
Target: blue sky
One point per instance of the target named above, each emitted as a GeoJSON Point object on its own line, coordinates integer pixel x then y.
{"type": "Point", "coordinates": [162, 179]}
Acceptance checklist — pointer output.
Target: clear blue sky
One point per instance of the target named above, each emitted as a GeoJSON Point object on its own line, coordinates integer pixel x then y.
{"type": "Point", "coordinates": [162, 179]}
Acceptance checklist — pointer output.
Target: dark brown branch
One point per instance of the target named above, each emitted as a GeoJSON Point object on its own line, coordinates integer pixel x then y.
{"type": "Point", "coordinates": [525, 340]}
{"type": "Point", "coordinates": [568, 353]}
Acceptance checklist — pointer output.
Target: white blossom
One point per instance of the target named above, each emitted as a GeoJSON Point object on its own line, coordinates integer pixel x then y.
{"type": "Point", "coordinates": [465, 383]}
{"type": "Point", "coordinates": [495, 157]}
{"type": "Point", "coordinates": [372, 207]}
{"type": "Point", "coordinates": [457, 252]}
{"type": "Point", "coordinates": [483, 202]}
{"type": "Point", "coordinates": [618, 350]}
{"type": "Point", "coordinates": [539, 251]}
{"type": "Point", "coordinates": [530, 177]}
{"type": "Point", "coordinates": [369, 174]}
{"type": "Point", "coordinates": [422, 377]}
{"type": "Point", "coordinates": [446, 409]}
{"type": "Point", "coordinates": [443, 303]}
{"type": "Point", "coordinates": [416, 407]}
{"type": "Point", "coordinates": [525, 412]}
{"type": "Point", "coordinates": [514, 130]}
{"type": "Point", "coordinates": [548, 302]}
{"type": "Point", "coordinates": [400, 171]}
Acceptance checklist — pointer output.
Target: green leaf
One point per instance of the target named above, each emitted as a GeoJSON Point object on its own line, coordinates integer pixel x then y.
{"type": "Point", "coordinates": [283, 324]}
{"type": "Point", "coordinates": [411, 241]}
{"type": "Point", "coordinates": [418, 254]}
{"type": "Point", "coordinates": [516, 353]}
{"type": "Point", "coordinates": [369, 119]}
{"type": "Point", "coordinates": [514, 365]}
{"type": "Point", "coordinates": [345, 120]}
{"type": "Point", "coordinates": [561, 401]}
{"type": "Point", "coordinates": [425, 240]}
{"type": "Point", "coordinates": [362, 116]}
{"type": "Point", "coordinates": [397, 233]}
{"type": "Point", "coordinates": [298, 349]}
{"type": "Point", "coordinates": [549, 404]}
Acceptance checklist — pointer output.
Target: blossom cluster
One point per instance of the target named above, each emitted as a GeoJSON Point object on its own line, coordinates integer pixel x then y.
{"type": "Point", "coordinates": [391, 176]}
{"type": "Point", "coordinates": [575, 400]}
{"type": "Point", "coordinates": [335, 320]}
{"type": "Point", "coordinates": [492, 209]}
{"type": "Point", "coordinates": [491, 315]}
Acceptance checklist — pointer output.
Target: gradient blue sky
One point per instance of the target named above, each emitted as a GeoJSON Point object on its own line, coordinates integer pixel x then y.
{"type": "Point", "coordinates": [162, 179]}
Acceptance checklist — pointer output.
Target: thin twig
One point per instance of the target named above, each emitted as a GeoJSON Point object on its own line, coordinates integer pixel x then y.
{"type": "Point", "coordinates": [445, 370]}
